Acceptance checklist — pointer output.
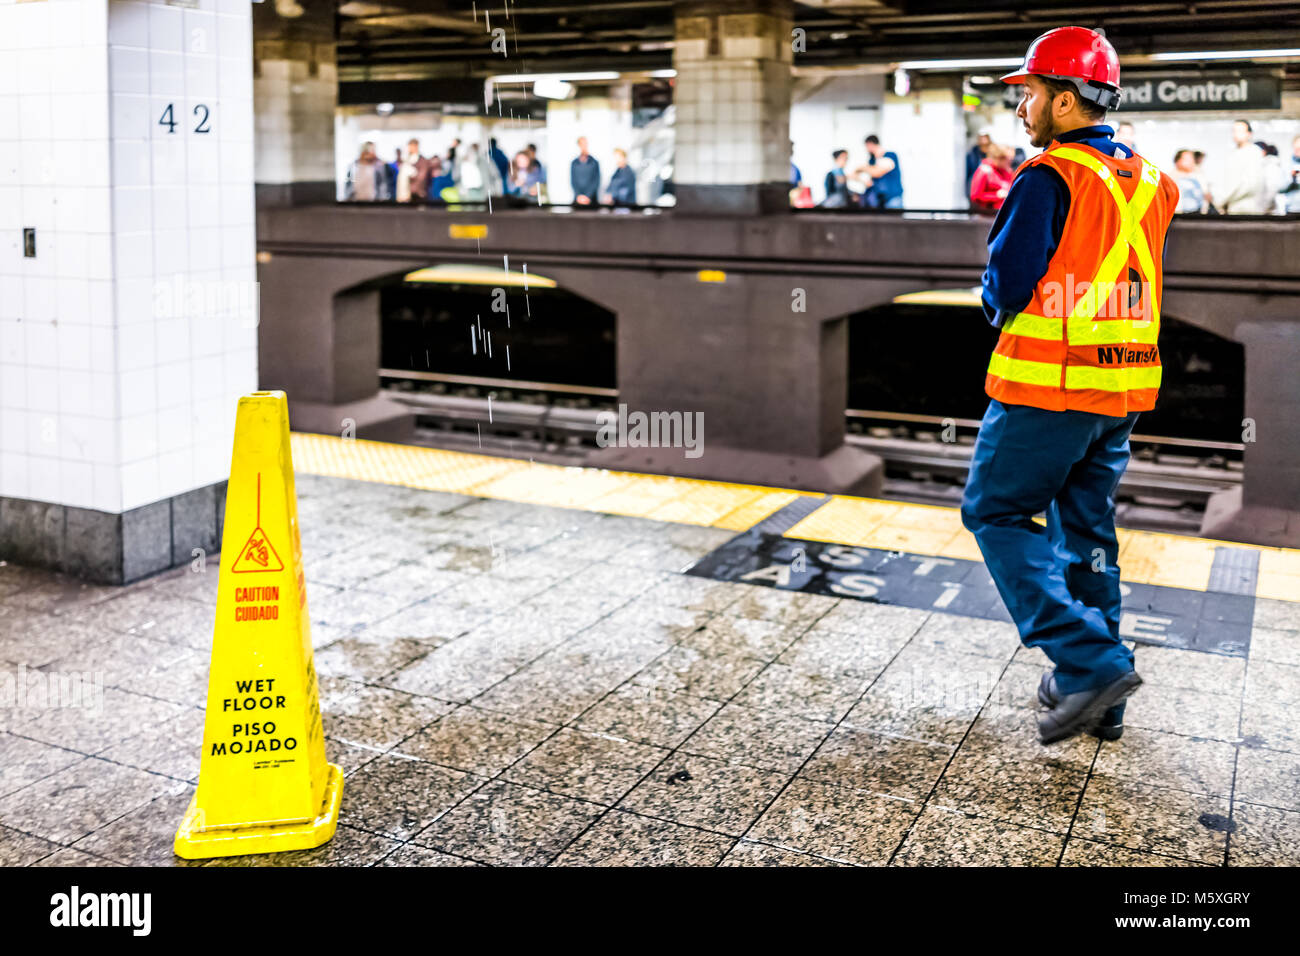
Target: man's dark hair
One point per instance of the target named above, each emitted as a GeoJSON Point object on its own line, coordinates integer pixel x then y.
{"type": "Point", "coordinates": [1246, 123]}
{"type": "Point", "coordinates": [838, 153]}
{"type": "Point", "coordinates": [1179, 155]}
{"type": "Point", "coordinates": [873, 139]}
{"type": "Point", "coordinates": [1088, 108]}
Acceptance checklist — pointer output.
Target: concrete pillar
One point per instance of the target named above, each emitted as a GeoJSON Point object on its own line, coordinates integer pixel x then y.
{"type": "Point", "coordinates": [295, 94]}
{"type": "Point", "coordinates": [768, 380]}
{"type": "Point", "coordinates": [320, 344]}
{"type": "Point", "coordinates": [732, 96]}
{"type": "Point", "coordinates": [128, 307]}
{"type": "Point", "coordinates": [1266, 508]}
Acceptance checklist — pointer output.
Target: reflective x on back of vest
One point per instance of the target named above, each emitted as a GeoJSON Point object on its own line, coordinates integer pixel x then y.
{"type": "Point", "coordinates": [1087, 340]}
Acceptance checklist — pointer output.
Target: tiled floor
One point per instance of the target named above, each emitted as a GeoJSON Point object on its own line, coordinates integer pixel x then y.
{"type": "Point", "coordinates": [515, 684]}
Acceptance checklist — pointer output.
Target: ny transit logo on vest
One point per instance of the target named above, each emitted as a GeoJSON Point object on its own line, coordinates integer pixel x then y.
{"type": "Point", "coordinates": [1122, 355]}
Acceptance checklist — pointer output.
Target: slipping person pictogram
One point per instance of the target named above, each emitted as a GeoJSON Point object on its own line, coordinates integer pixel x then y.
{"type": "Point", "coordinates": [258, 554]}
{"type": "Point", "coordinates": [1074, 285]}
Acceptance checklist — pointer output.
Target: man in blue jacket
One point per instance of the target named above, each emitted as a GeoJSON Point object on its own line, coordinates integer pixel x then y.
{"type": "Point", "coordinates": [584, 175]}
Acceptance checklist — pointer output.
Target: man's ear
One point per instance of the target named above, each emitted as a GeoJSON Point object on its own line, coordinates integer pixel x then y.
{"type": "Point", "coordinates": [1062, 104]}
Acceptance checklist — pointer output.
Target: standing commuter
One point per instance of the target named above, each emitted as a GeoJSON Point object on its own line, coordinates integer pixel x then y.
{"type": "Point", "coordinates": [992, 181]}
{"type": "Point", "coordinates": [886, 191]}
{"type": "Point", "coordinates": [1291, 190]}
{"type": "Point", "coordinates": [472, 176]}
{"type": "Point", "coordinates": [415, 172]}
{"type": "Point", "coordinates": [368, 177]}
{"type": "Point", "coordinates": [622, 185]}
{"type": "Point", "coordinates": [394, 174]}
{"type": "Point", "coordinates": [837, 182]}
{"type": "Point", "coordinates": [1244, 191]}
{"type": "Point", "coordinates": [536, 164]}
{"type": "Point", "coordinates": [524, 177]}
{"type": "Point", "coordinates": [499, 160]}
{"type": "Point", "coordinates": [1074, 283]}
{"type": "Point", "coordinates": [975, 155]}
{"type": "Point", "coordinates": [584, 175]}
{"type": "Point", "coordinates": [1193, 196]}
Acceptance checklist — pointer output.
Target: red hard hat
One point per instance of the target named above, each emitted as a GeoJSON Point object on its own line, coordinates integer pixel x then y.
{"type": "Point", "coordinates": [1078, 54]}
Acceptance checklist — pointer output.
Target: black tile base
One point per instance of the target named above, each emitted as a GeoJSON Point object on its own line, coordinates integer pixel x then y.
{"type": "Point", "coordinates": [109, 548]}
{"type": "Point", "coordinates": [294, 194]}
{"type": "Point", "coordinates": [755, 199]}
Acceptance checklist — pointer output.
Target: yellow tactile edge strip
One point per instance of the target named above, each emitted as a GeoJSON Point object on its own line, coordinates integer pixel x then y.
{"type": "Point", "coordinates": [1146, 557]}
{"type": "Point", "coordinates": [712, 504]}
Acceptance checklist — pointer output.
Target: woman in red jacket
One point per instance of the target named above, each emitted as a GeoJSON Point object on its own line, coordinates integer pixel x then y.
{"type": "Point", "coordinates": [989, 185]}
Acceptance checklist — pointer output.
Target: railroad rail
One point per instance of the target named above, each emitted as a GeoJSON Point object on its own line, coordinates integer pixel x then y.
{"type": "Point", "coordinates": [1165, 487]}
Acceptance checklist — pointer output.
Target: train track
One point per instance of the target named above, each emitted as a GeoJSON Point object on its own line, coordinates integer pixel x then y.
{"type": "Point", "coordinates": [1165, 487]}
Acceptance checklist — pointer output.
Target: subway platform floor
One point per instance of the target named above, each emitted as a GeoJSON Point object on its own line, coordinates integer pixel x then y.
{"type": "Point", "coordinates": [508, 682]}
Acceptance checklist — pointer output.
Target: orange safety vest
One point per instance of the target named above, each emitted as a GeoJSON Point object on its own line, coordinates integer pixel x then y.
{"type": "Point", "coordinates": [1087, 340]}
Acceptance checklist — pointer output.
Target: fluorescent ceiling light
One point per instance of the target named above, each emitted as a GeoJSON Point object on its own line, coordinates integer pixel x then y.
{"type": "Point", "coordinates": [534, 77]}
{"type": "Point", "coordinates": [958, 64]}
{"type": "Point", "coordinates": [663, 74]}
{"type": "Point", "coordinates": [1226, 54]}
{"type": "Point", "coordinates": [554, 89]}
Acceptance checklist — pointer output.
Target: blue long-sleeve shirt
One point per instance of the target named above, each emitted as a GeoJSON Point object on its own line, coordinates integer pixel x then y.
{"type": "Point", "coordinates": [622, 186]}
{"type": "Point", "coordinates": [1028, 228]}
{"type": "Point", "coordinates": [584, 177]}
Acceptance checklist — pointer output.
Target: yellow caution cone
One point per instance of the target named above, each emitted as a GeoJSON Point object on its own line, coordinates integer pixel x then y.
{"type": "Point", "coordinates": [264, 783]}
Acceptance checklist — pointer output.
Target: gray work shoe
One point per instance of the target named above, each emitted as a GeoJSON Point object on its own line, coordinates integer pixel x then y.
{"type": "Point", "coordinates": [1076, 713]}
{"type": "Point", "coordinates": [1112, 722]}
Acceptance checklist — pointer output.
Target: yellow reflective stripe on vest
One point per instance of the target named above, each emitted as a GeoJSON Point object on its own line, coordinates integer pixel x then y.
{"type": "Point", "coordinates": [1025, 371]}
{"type": "Point", "coordinates": [1112, 332]}
{"type": "Point", "coordinates": [1112, 379]}
{"type": "Point", "coordinates": [1130, 234]}
{"type": "Point", "coordinates": [1083, 331]}
{"type": "Point", "coordinates": [1035, 326]}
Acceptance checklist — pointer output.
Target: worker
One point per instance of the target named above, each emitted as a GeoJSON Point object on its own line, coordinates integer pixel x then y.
{"type": "Point", "coordinates": [1073, 283]}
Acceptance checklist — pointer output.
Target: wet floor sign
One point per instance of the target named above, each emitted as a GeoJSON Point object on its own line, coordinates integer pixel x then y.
{"type": "Point", "coordinates": [264, 782]}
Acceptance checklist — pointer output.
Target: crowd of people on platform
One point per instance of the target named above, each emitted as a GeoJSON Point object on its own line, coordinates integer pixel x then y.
{"type": "Point", "coordinates": [466, 174]}
{"type": "Point", "coordinates": [412, 176]}
{"type": "Point", "coordinates": [1257, 181]}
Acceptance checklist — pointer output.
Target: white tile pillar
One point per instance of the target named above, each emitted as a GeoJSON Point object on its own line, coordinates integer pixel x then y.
{"type": "Point", "coordinates": [129, 330]}
{"type": "Point", "coordinates": [732, 95]}
{"type": "Point", "coordinates": [295, 94]}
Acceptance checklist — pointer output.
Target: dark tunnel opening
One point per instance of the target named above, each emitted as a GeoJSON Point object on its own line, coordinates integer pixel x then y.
{"type": "Point", "coordinates": [545, 335]}
{"type": "Point", "coordinates": [931, 360]}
